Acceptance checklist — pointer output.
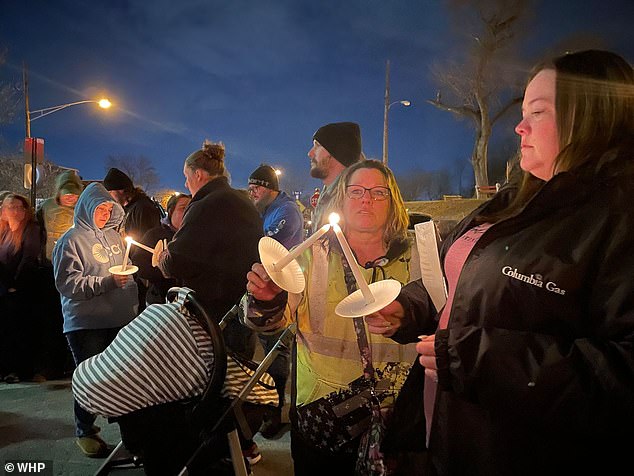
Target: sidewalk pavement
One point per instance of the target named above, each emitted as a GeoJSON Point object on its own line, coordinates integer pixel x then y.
{"type": "Point", "coordinates": [36, 424]}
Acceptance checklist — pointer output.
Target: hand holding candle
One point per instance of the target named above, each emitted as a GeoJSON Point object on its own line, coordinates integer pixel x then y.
{"type": "Point", "coordinates": [161, 245]}
{"type": "Point", "coordinates": [124, 268]}
{"type": "Point", "coordinates": [156, 251]}
{"type": "Point", "coordinates": [280, 264]}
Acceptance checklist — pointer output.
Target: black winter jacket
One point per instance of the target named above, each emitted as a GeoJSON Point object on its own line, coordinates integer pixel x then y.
{"type": "Point", "coordinates": [141, 215]}
{"type": "Point", "coordinates": [213, 251]}
{"type": "Point", "coordinates": [536, 367]}
{"type": "Point", "coordinates": [216, 245]}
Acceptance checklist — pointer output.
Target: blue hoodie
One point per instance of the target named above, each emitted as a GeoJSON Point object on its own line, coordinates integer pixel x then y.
{"type": "Point", "coordinates": [283, 221]}
{"type": "Point", "coordinates": [81, 259]}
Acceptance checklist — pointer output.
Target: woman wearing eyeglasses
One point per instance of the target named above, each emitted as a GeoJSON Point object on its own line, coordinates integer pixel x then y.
{"type": "Point", "coordinates": [328, 354]}
{"type": "Point", "coordinates": [19, 251]}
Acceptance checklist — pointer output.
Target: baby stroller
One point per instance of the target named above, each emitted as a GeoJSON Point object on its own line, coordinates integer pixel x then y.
{"type": "Point", "coordinates": [199, 434]}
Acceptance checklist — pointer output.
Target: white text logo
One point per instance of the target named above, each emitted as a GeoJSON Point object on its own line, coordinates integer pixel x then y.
{"type": "Point", "coordinates": [533, 279]}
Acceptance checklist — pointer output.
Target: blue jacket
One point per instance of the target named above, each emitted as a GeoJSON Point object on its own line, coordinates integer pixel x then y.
{"type": "Point", "coordinates": [81, 259]}
{"type": "Point", "coordinates": [283, 221]}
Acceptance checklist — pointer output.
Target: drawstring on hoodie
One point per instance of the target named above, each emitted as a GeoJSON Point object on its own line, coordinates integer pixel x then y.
{"type": "Point", "coordinates": [377, 265]}
{"type": "Point", "coordinates": [397, 248]}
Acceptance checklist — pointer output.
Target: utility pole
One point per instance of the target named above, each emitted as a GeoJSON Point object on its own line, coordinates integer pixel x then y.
{"type": "Point", "coordinates": [32, 143]}
{"type": "Point", "coordinates": [27, 114]}
{"type": "Point", "coordinates": [385, 109]}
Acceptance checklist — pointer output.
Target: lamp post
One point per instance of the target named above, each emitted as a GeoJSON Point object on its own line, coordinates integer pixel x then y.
{"type": "Point", "coordinates": [103, 103]}
{"type": "Point", "coordinates": [387, 107]}
{"type": "Point", "coordinates": [39, 113]}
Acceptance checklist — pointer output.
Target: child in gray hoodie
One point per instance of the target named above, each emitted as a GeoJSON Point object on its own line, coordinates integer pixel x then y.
{"type": "Point", "coordinates": [95, 303]}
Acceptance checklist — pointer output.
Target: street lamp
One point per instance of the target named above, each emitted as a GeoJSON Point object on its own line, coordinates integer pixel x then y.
{"type": "Point", "coordinates": [39, 113]}
{"type": "Point", "coordinates": [388, 105]}
{"type": "Point", "coordinates": [103, 103]}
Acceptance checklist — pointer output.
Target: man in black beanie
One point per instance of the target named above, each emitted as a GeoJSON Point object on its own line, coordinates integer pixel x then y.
{"type": "Point", "coordinates": [141, 213]}
{"type": "Point", "coordinates": [336, 146]}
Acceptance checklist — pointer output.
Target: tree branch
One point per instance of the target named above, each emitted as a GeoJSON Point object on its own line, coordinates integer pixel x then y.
{"type": "Point", "coordinates": [459, 110]}
{"type": "Point", "coordinates": [504, 110]}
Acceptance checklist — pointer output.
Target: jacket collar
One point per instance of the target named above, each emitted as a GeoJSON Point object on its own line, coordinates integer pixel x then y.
{"type": "Point", "coordinates": [218, 183]}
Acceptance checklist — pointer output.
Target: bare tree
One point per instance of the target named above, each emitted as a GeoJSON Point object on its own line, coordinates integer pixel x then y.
{"type": "Point", "coordinates": [9, 96]}
{"type": "Point", "coordinates": [458, 171]}
{"type": "Point", "coordinates": [500, 154]}
{"type": "Point", "coordinates": [484, 84]}
{"type": "Point", "coordinates": [12, 175]}
{"type": "Point", "coordinates": [138, 168]}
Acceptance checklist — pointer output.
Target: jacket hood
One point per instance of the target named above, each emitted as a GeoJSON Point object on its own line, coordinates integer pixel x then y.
{"type": "Point", "coordinates": [68, 182]}
{"type": "Point", "coordinates": [284, 197]}
{"type": "Point", "coordinates": [94, 195]}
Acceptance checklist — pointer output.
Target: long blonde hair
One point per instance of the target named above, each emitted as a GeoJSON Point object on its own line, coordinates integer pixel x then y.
{"type": "Point", "coordinates": [14, 237]}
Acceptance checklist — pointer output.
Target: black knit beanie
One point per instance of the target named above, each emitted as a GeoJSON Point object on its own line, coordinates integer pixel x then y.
{"type": "Point", "coordinates": [117, 180]}
{"type": "Point", "coordinates": [265, 176]}
{"type": "Point", "coordinates": [342, 140]}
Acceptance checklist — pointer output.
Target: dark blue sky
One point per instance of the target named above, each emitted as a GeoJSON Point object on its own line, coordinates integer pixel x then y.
{"type": "Point", "coordinates": [259, 76]}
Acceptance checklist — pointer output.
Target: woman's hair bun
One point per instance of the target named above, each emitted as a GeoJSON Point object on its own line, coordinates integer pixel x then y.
{"type": "Point", "coordinates": [214, 150]}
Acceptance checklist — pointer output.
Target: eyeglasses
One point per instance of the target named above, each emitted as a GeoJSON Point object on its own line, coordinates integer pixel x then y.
{"type": "Point", "coordinates": [253, 189]}
{"type": "Point", "coordinates": [356, 192]}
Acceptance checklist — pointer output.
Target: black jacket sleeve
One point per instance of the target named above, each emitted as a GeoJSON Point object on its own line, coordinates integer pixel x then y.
{"type": "Point", "coordinates": [420, 314]}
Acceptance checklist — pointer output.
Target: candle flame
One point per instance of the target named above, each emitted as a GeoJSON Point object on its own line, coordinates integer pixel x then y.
{"type": "Point", "coordinates": [333, 218]}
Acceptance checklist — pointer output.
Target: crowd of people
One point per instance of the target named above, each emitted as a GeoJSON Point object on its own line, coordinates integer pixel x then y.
{"type": "Point", "coordinates": [527, 369]}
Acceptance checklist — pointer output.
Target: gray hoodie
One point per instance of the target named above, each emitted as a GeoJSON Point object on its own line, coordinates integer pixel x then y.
{"type": "Point", "coordinates": [81, 259]}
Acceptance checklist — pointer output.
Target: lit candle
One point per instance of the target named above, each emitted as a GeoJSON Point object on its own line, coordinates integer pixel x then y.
{"type": "Point", "coordinates": [141, 245]}
{"type": "Point", "coordinates": [281, 264]}
{"type": "Point", "coordinates": [356, 270]}
{"type": "Point", "coordinates": [127, 253]}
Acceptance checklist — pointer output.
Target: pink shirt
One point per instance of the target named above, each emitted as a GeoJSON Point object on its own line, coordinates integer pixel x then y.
{"type": "Point", "coordinates": [454, 262]}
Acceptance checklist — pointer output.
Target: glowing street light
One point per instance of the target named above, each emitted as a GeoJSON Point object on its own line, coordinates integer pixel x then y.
{"type": "Point", "coordinates": [278, 174]}
{"type": "Point", "coordinates": [39, 113]}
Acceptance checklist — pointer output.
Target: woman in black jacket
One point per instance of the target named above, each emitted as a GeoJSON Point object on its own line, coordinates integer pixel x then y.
{"type": "Point", "coordinates": [529, 367]}
{"type": "Point", "coordinates": [20, 248]}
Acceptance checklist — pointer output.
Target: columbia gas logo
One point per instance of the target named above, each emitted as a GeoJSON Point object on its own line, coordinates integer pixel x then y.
{"type": "Point", "coordinates": [533, 279]}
